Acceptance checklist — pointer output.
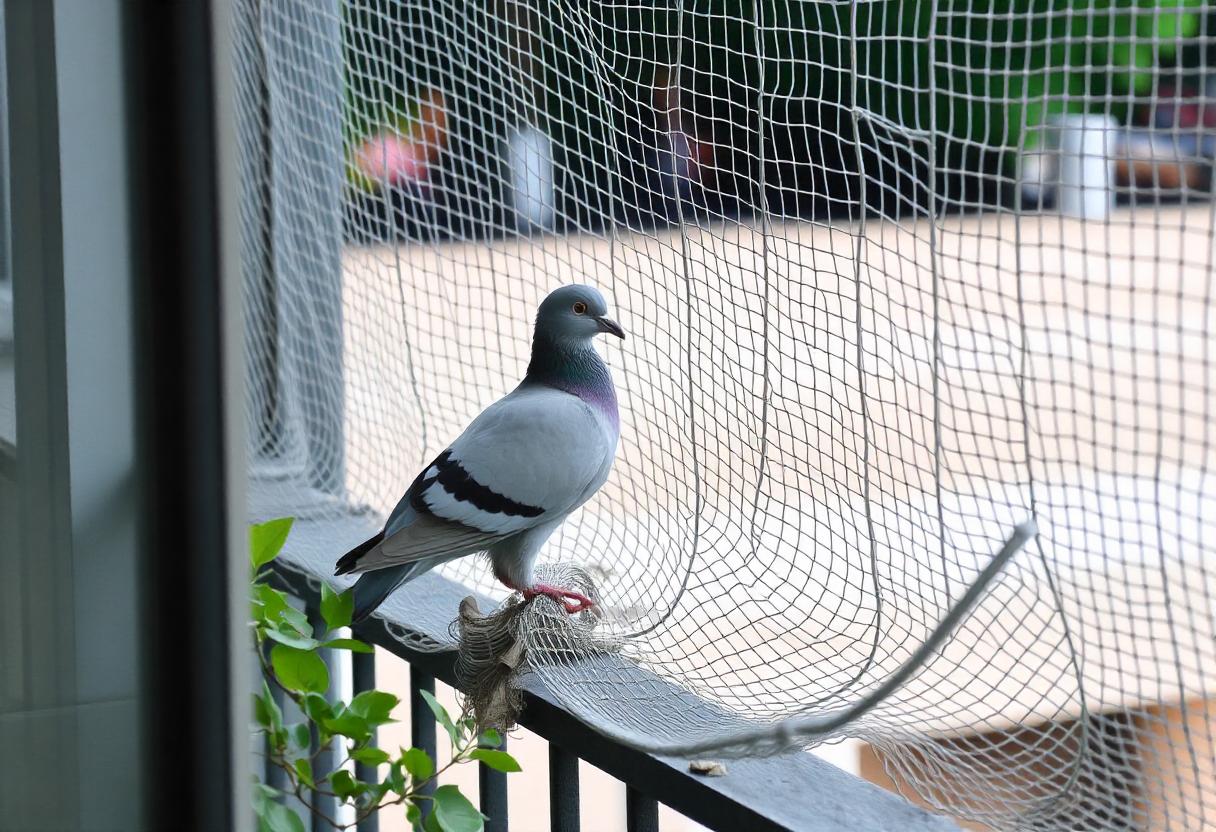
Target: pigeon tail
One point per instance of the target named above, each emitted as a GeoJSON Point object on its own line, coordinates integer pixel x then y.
{"type": "Point", "coordinates": [350, 560]}
{"type": "Point", "coordinates": [373, 587]}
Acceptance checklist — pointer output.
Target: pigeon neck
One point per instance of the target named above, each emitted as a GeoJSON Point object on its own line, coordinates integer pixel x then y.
{"type": "Point", "coordinates": [574, 367]}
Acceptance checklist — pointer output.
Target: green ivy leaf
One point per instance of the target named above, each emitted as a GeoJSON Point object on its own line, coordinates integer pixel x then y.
{"type": "Point", "coordinates": [300, 670]}
{"type": "Point", "coordinates": [274, 816]}
{"type": "Point", "coordinates": [372, 797]}
{"type": "Point", "coordinates": [375, 706]}
{"type": "Point", "coordinates": [441, 716]}
{"type": "Point", "coordinates": [297, 621]}
{"type": "Point", "coordinates": [316, 707]}
{"type": "Point", "coordinates": [396, 778]}
{"type": "Point", "coordinates": [454, 812]}
{"type": "Point", "coordinates": [344, 785]}
{"type": "Point", "coordinates": [336, 607]}
{"type": "Point", "coordinates": [370, 756]}
{"type": "Point", "coordinates": [266, 540]}
{"type": "Point", "coordinates": [431, 824]}
{"type": "Point", "coordinates": [418, 763]}
{"type": "Point", "coordinates": [266, 711]}
{"type": "Point", "coordinates": [263, 794]}
{"type": "Point", "coordinates": [304, 769]}
{"type": "Point", "coordinates": [413, 815]}
{"type": "Point", "coordinates": [300, 736]}
{"type": "Point", "coordinates": [491, 737]}
{"type": "Point", "coordinates": [348, 724]}
{"type": "Point", "coordinates": [497, 760]}
{"type": "Point", "coordinates": [292, 639]}
{"type": "Point", "coordinates": [268, 603]}
{"type": "Point", "coordinates": [288, 821]}
{"type": "Point", "coordinates": [351, 644]}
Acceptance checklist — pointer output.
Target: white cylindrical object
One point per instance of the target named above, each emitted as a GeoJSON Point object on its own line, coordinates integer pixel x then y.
{"type": "Point", "coordinates": [530, 155]}
{"type": "Point", "coordinates": [1087, 165]}
{"type": "Point", "coordinates": [1038, 174]}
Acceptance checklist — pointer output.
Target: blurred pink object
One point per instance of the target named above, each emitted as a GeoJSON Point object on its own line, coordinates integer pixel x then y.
{"type": "Point", "coordinates": [393, 159]}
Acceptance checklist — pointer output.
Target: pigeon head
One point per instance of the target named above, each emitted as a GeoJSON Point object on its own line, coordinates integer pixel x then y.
{"type": "Point", "coordinates": [573, 315]}
{"type": "Point", "coordinates": [562, 355]}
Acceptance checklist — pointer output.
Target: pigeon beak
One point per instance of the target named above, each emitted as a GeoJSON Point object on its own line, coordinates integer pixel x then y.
{"type": "Point", "coordinates": [609, 325]}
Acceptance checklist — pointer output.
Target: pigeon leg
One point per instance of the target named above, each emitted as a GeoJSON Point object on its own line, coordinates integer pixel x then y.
{"type": "Point", "coordinates": [560, 595]}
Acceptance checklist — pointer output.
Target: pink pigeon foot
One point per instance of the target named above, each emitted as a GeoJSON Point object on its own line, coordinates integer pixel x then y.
{"type": "Point", "coordinates": [560, 595]}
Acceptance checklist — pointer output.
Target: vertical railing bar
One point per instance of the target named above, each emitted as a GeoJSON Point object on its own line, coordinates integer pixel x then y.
{"type": "Point", "coordinates": [493, 790]}
{"type": "Point", "coordinates": [324, 761]}
{"type": "Point", "coordinates": [422, 722]}
{"type": "Point", "coordinates": [641, 812]}
{"type": "Point", "coordinates": [363, 672]}
{"type": "Point", "coordinates": [563, 790]}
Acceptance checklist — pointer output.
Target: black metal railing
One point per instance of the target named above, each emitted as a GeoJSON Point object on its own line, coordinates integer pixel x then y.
{"type": "Point", "coordinates": [787, 792]}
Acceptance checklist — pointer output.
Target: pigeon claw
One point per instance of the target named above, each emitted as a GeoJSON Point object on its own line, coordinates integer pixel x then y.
{"type": "Point", "coordinates": [572, 602]}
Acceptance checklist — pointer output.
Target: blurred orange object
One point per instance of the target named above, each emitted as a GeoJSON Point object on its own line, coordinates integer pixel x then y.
{"type": "Point", "coordinates": [431, 127]}
{"type": "Point", "coordinates": [1152, 159]}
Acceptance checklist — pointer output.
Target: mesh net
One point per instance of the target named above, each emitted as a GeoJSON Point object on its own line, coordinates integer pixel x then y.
{"type": "Point", "coordinates": [898, 277]}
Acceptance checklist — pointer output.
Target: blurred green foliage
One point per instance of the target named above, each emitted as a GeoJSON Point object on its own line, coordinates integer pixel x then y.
{"type": "Point", "coordinates": [1003, 66]}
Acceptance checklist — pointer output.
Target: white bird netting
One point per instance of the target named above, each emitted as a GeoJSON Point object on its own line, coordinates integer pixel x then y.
{"type": "Point", "coordinates": [897, 277]}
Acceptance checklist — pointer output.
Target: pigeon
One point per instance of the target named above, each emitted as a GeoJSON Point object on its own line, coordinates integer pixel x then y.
{"type": "Point", "coordinates": [515, 474]}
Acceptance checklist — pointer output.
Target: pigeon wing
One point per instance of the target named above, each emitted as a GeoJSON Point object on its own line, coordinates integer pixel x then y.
{"type": "Point", "coordinates": [411, 536]}
{"type": "Point", "coordinates": [529, 459]}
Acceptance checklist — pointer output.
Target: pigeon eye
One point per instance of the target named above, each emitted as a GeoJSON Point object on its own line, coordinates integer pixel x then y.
{"type": "Point", "coordinates": [580, 308]}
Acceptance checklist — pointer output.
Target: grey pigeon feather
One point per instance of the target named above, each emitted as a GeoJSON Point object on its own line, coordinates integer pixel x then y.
{"type": "Point", "coordinates": [518, 470]}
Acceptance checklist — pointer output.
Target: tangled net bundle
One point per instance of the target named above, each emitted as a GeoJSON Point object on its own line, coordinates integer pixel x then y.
{"type": "Point", "coordinates": [496, 648]}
